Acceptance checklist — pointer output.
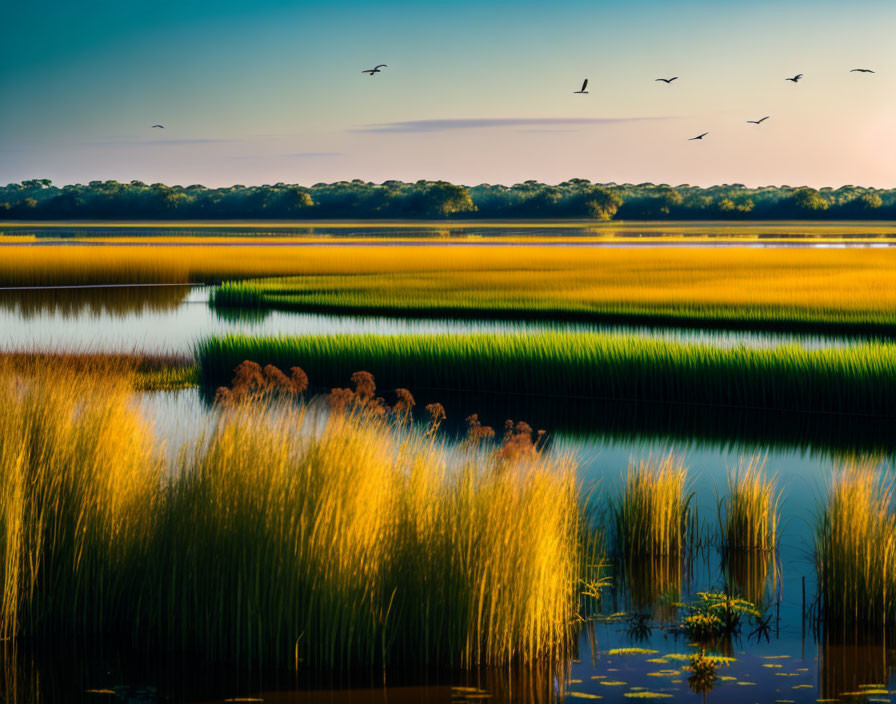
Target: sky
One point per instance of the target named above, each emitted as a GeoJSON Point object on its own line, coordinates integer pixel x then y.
{"type": "Point", "coordinates": [475, 92]}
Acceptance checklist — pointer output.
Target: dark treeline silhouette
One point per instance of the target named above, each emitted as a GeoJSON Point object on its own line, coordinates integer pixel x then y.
{"type": "Point", "coordinates": [577, 198]}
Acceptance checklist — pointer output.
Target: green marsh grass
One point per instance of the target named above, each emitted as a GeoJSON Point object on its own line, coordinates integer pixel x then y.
{"type": "Point", "coordinates": [286, 535]}
{"type": "Point", "coordinates": [859, 379]}
{"type": "Point", "coordinates": [748, 516]}
{"type": "Point", "coordinates": [855, 550]}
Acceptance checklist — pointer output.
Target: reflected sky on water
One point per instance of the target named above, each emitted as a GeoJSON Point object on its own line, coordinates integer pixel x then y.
{"type": "Point", "coordinates": [171, 319]}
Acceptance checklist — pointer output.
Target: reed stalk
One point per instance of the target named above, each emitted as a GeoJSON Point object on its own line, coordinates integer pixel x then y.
{"type": "Point", "coordinates": [855, 548]}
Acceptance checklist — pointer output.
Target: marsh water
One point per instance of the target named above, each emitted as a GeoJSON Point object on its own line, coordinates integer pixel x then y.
{"type": "Point", "coordinates": [631, 651]}
{"type": "Point", "coordinates": [171, 319]}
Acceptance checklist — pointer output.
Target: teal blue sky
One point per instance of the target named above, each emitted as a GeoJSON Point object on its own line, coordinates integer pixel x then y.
{"type": "Point", "coordinates": [474, 92]}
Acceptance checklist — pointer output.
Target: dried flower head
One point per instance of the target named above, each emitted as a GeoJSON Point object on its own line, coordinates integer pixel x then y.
{"type": "Point", "coordinates": [299, 379]}
{"type": "Point", "coordinates": [248, 379]}
{"type": "Point", "coordinates": [275, 380]}
{"type": "Point", "coordinates": [476, 431]}
{"type": "Point", "coordinates": [365, 388]}
{"type": "Point", "coordinates": [404, 404]}
{"type": "Point", "coordinates": [340, 399]}
{"type": "Point", "coordinates": [517, 441]}
{"type": "Point", "coordinates": [436, 415]}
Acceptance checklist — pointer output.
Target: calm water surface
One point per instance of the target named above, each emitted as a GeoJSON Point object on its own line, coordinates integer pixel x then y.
{"type": "Point", "coordinates": [171, 319]}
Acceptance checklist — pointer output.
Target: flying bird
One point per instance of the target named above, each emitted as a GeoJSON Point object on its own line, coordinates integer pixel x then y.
{"type": "Point", "coordinates": [667, 80]}
{"type": "Point", "coordinates": [699, 136]}
{"type": "Point", "coordinates": [861, 70]}
{"type": "Point", "coordinates": [161, 127]}
{"type": "Point", "coordinates": [758, 122]}
{"type": "Point", "coordinates": [375, 69]}
{"type": "Point", "coordinates": [582, 91]}
{"type": "Point", "coordinates": [795, 79]}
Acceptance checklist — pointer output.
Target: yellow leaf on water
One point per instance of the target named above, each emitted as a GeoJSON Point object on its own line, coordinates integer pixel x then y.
{"type": "Point", "coordinates": [647, 695]}
{"type": "Point", "coordinates": [631, 651]}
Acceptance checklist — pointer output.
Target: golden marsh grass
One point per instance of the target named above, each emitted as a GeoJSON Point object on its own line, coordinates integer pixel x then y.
{"type": "Point", "coordinates": [855, 549]}
{"type": "Point", "coordinates": [287, 535]}
{"type": "Point", "coordinates": [652, 512]}
{"type": "Point", "coordinates": [748, 517]}
{"type": "Point", "coordinates": [843, 285]}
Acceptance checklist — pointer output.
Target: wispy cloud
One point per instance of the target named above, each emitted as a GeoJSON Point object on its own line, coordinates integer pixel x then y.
{"type": "Point", "coordinates": [293, 155]}
{"type": "Point", "coordinates": [484, 122]}
{"type": "Point", "coordinates": [157, 142]}
{"type": "Point", "coordinates": [309, 155]}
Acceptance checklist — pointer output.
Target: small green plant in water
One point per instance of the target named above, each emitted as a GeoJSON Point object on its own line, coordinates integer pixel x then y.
{"type": "Point", "coordinates": [714, 615]}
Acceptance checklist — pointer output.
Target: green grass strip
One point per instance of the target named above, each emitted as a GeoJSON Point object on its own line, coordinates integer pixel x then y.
{"type": "Point", "coordinates": [859, 379]}
{"type": "Point", "coordinates": [287, 294]}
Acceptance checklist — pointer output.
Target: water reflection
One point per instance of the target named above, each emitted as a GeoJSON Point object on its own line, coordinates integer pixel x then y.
{"type": "Point", "coordinates": [108, 302]}
{"type": "Point", "coordinates": [855, 664]}
{"type": "Point", "coordinates": [651, 585]}
{"type": "Point", "coordinates": [171, 319]}
{"type": "Point", "coordinates": [751, 234]}
{"type": "Point", "coordinates": [108, 671]}
{"type": "Point", "coordinates": [746, 574]}
{"type": "Point", "coordinates": [665, 425]}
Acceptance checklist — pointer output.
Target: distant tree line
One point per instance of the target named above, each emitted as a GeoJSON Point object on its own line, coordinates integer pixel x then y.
{"type": "Point", "coordinates": [578, 198]}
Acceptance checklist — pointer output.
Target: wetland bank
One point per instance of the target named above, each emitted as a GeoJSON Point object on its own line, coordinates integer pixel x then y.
{"type": "Point", "coordinates": [707, 515]}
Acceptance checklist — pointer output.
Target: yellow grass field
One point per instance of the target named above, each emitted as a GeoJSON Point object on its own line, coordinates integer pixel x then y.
{"type": "Point", "coordinates": [729, 282]}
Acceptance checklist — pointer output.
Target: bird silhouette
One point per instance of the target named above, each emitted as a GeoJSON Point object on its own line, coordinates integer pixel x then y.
{"type": "Point", "coordinates": [795, 79]}
{"type": "Point", "coordinates": [758, 122]}
{"type": "Point", "coordinates": [582, 90]}
{"type": "Point", "coordinates": [667, 80]}
{"type": "Point", "coordinates": [861, 70]}
{"type": "Point", "coordinates": [161, 127]}
{"type": "Point", "coordinates": [375, 69]}
{"type": "Point", "coordinates": [699, 136]}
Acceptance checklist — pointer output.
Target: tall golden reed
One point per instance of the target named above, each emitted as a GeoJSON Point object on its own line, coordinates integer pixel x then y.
{"type": "Point", "coordinates": [652, 513]}
{"type": "Point", "coordinates": [748, 518]}
{"type": "Point", "coordinates": [79, 487]}
{"type": "Point", "coordinates": [286, 535]}
{"type": "Point", "coordinates": [855, 548]}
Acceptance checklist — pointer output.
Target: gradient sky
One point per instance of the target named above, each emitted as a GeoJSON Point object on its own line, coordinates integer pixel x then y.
{"type": "Point", "coordinates": [267, 91]}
